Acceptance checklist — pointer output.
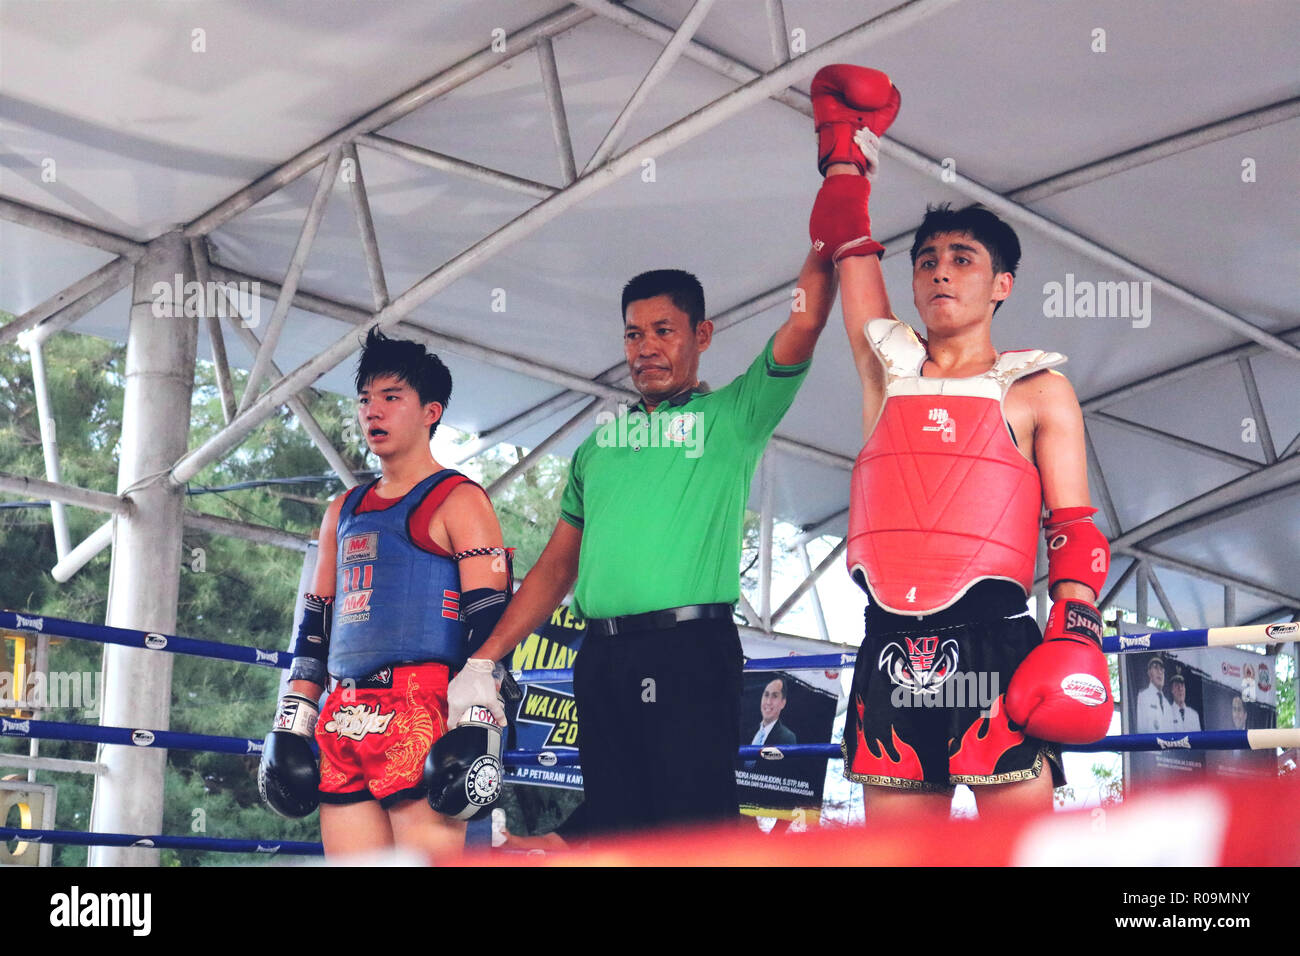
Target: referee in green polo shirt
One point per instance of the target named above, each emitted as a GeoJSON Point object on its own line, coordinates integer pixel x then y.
{"type": "Point", "coordinates": [650, 527]}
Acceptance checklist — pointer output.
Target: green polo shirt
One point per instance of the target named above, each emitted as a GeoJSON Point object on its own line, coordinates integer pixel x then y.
{"type": "Point", "coordinates": [660, 497]}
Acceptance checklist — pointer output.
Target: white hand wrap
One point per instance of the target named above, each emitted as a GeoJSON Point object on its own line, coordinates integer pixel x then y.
{"type": "Point", "coordinates": [869, 143]}
{"type": "Point", "coordinates": [474, 685]}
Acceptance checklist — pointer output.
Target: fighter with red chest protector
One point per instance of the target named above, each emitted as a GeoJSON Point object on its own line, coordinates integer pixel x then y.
{"type": "Point", "coordinates": [965, 448]}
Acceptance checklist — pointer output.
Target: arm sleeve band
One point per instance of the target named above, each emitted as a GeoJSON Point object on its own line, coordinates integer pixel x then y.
{"type": "Point", "coordinates": [482, 608]}
{"type": "Point", "coordinates": [311, 646]}
{"type": "Point", "coordinates": [1076, 550]}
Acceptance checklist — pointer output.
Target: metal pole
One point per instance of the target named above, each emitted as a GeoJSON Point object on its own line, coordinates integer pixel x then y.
{"type": "Point", "coordinates": [457, 167]}
{"type": "Point", "coordinates": [366, 226]}
{"type": "Point", "coordinates": [82, 497]}
{"type": "Point", "coordinates": [1170, 614]}
{"type": "Point", "coordinates": [818, 611]}
{"type": "Point", "coordinates": [1149, 382]}
{"type": "Point", "coordinates": [144, 582]}
{"type": "Point", "coordinates": [1148, 432]}
{"type": "Point", "coordinates": [220, 362]}
{"type": "Point", "coordinates": [1223, 502]}
{"type": "Point", "coordinates": [766, 494]}
{"type": "Point", "coordinates": [516, 424]}
{"type": "Point", "coordinates": [750, 615]}
{"type": "Point", "coordinates": [719, 63]}
{"type": "Point", "coordinates": [301, 412]}
{"type": "Point", "coordinates": [111, 276]}
{"type": "Point", "coordinates": [777, 31]}
{"type": "Point", "coordinates": [1257, 409]}
{"type": "Point", "coordinates": [258, 534]}
{"type": "Point", "coordinates": [817, 528]}
{"type": "Point", "coordinates": [51, 763]}
{"type": "Point", "coordinates": [555, 104]}
{"type": "Point", "coordinates": [584, 417]}
{"type": "Point", "coordinates": [823, 566]}
{"type": "Point", "coordinates": [1118, 586]}
{"type": "Point", "coordinates": [1143, 596]}
{"type": "Point", "coordinates": [1183, 567]}
{"type": "Point", "coordinates": [1169, 146]}
{"type": "Point", "coordinates": [1229, 606]}
{"type": "Point", "coordinates": [1099, 481]}
{"type": "Point", "coordinates": [752, 307]}
{"type": "Point", "coordinates": [79, 232]}
{"type": "Point", "coordinates": [464, 71]}
{"type": "Point", "coordinates": [1205, 574]}
{"type": "Point", "coordinates": [73, 311]}
{"type": "Point", "coordinates": [310, 225]}
{"type": "Point", "coordinates": [1084, 246]}
{"type": "Point", "coordinates": [49, 446]}
{"type": "Point", "coordinates": [77, 558]}
{"type": "Point", "coordinates": [658, 70]}
{"type": "Point", "coordinates": [1215, 503]}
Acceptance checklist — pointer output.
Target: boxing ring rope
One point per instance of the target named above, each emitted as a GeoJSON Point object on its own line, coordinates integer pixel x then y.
{"type": "Point", "coordinates": [139, 737]}
{"type": "Point", "coordinates": [153, 640]}
{"type": "Point", "coordinates": [163, 842]}
{"type": "Point", "coordinates": [1120, 743]}
{"type": "Point", "coordinates": [1114, 644]}
{"type": "Point", "coordinates": [245, 746]}
{"type": "Point", "coordinates": [148, 640]}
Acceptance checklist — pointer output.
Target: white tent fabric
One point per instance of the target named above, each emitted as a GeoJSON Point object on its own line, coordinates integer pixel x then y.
{"type": "Point", "coordinates": [1179, 121]}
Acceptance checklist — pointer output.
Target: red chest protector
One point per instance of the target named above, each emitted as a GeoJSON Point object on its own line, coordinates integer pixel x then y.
{"type": "Point", "coordinates": [941, 498]}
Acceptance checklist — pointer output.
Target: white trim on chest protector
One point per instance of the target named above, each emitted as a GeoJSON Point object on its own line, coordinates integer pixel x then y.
{"type": "Point", "coordinates": [903, 354]}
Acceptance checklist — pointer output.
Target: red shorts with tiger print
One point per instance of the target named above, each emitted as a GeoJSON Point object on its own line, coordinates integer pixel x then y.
{"type": "Point", "coordinates": [375, 733]}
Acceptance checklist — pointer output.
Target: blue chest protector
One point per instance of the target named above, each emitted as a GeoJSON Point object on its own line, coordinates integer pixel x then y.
{"type": "Point", "coordinates": [393, 600]}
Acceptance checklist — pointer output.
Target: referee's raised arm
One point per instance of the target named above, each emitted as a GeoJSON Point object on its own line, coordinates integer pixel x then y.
{"type": "Point", "coordinates": [813, 298]}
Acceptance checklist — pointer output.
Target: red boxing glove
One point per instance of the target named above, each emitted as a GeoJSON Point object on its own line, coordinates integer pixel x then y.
{"type": "Point", "coordinates": [846, 98]}
{"type": "Point", "coordinates": [1061, 690]}
{"type": "Point", "coordinates": [840, 225]}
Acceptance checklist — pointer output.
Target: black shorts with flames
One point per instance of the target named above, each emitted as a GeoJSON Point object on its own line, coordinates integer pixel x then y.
{"type": "Point", "coordinates": [926, 710]}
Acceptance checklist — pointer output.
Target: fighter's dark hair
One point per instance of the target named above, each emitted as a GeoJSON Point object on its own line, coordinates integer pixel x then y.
{"type": "Point", "coordinates": [680, 286]}
{"type": "Point", "coordinates": [980, 224]}
{"type": "Point", "coordinates": [408, 361]}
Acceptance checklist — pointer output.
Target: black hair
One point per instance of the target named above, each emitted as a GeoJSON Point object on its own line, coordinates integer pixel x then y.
{"type": "Point", "coordinates": [680, 286]}
{"type": "Point", "coordinates": [408, 361]}
{"type": "Point", "coordinates": [785, 686]}
{"type": "Point", "coordinates": [980, 224]}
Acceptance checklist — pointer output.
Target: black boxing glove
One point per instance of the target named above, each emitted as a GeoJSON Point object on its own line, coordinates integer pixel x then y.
{"type": "Point", "coordinates": [288, 778]}
{"type": "Point", "coordinates": [463, 771]}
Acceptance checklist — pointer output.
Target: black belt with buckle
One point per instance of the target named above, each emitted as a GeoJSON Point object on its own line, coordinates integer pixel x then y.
{"type": "Point", "coordinates": [658, 620]}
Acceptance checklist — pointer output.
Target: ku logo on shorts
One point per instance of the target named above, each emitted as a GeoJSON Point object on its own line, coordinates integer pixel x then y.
{"type": "Point", "coordinates": [916, 668]}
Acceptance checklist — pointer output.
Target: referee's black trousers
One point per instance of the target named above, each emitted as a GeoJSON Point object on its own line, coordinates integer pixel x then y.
{"type": "Point", "coordinates": [659, 715]}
